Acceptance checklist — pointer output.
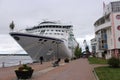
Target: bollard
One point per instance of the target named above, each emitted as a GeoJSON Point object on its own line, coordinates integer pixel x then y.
{"type": "Point", "coordinates": [19, 62]}
{"type": "Point", "coordinates": [3, 64]}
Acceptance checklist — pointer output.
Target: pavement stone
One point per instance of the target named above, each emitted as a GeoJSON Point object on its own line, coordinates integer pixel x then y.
{"type": "Point", "coordinates": [78, 69]}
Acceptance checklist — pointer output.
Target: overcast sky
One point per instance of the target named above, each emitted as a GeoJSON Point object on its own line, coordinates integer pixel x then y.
{"type": "Point", "coordinates": [25, 13]}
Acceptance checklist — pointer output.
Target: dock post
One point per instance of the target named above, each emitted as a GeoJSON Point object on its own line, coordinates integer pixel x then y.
{"type": "Point", "coordinates": [3, 64]}
{"type": "Point", "coordinates": [19, 62]}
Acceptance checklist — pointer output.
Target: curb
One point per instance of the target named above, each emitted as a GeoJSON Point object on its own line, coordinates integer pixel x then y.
{"type": "Point", "coordinates": [95, 74]}
{"type": "Point", "coordinates": [47, 69]}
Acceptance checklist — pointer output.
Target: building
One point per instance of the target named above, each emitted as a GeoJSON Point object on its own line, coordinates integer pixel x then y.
{"type": "Point", "coordinates": [93, 46]}
{"type": "Point", "coordinates": [107, 31]}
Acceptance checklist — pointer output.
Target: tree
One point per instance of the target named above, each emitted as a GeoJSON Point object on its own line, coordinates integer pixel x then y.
{"type": "Point", "coordinates": [87, 51]}
{"type": "Point", "coordinates": [12, 26]}
{"type": "Point", "coordinates": [78, 51]}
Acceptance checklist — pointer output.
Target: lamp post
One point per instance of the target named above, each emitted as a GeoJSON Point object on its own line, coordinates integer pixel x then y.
{"type": "Point", "coordinates": [57, 55]}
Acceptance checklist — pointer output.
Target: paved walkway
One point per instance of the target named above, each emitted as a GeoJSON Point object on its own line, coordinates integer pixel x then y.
{"type": "Point", "coordinates": [8, 73]}
{"type": "Point", "coordinates": [75, 70]}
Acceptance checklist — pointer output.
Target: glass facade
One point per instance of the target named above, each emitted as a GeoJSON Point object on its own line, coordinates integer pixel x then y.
{"type": "Point", "coordinates": [102, 40]}
{"type": "Point", "coordinates": [115, 6]}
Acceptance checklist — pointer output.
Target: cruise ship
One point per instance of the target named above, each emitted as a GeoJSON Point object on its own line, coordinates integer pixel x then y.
{"type": "Point", "coordinates": [49, 39]}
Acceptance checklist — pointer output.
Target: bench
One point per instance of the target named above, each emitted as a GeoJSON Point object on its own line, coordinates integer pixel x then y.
{"type": "Point", "coordinates": [56, 63]}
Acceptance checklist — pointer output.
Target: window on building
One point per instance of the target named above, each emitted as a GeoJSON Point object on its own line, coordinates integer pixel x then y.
{"type": "Point", "coordinates": [118, 27]}
{"type": "Point", "coordinates": [115, 6]}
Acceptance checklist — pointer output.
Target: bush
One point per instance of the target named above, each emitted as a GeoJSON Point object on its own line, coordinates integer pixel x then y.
{"type": "Point", "coordinates": [114, 62]}
{"type": "Point", "coordinates": [73, 58]}
{"type": "Point", "coordinates": [66, 60]}
{"type": "Point", "coordinates": [24, 67]}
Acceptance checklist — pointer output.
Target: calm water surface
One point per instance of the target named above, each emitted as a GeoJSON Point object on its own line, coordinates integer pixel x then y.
{"type": "Point", "coordinates": [14, 60]}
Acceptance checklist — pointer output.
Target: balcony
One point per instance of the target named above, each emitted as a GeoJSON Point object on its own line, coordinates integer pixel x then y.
{"type": "Point", "coordinates": [103, 26]}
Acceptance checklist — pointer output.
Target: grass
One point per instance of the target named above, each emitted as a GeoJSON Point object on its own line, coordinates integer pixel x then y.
{"type": "Point", "coordinates": [107, 73]}
{"type": "Point", "coordinates": [93, 60]}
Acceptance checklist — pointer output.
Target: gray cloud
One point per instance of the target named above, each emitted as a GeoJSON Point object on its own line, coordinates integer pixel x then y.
{"type": "Point", "coordinates": [30, 12]}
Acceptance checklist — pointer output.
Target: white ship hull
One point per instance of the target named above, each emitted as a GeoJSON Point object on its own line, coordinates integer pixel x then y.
{"type": "Point", "coordinates": [36, 46]}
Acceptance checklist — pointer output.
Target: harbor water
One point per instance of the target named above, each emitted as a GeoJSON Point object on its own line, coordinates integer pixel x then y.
{"type": "Point", "coordinates": [7, 61]}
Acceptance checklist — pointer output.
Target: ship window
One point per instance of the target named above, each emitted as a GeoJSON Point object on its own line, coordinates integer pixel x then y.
{"type": "Point", "coordinates": [53, 26]}
{"type": "Point", "coordinates": [62, 30]}
{"type": "Point", "coordinates": [59, 26]}
{"type": "Point", "coordinates": [50, 33]}
{"type": "Point", "coordinates": [42, 31]}
{"type": "Point", "coordinates": [51, 30]}
{"type": "Point", "coordinates": [45, 40]}
{"type": "Point", "coordinates": [40, 39]}
{"type": "Point", "coordinates": [50, 26]}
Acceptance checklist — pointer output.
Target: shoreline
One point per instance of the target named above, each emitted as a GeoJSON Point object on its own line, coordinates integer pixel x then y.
{"type": "Point", "coordinates": [14, 55]}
